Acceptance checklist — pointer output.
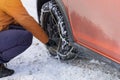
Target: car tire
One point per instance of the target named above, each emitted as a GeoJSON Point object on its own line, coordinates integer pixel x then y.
{"type": "Point", "coordinates": [53, 23]}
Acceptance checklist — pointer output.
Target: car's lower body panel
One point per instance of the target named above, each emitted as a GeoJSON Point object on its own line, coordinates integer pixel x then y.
{"type": "Point", "coordinates": [95, 25]}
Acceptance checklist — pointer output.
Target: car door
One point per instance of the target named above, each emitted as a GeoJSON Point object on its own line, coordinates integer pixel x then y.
{"type": "Point", "coordinates": [96, 25]}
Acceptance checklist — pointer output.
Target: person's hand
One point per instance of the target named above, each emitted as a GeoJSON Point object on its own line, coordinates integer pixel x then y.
{"type": "Point", "coordinates": [50, 43]}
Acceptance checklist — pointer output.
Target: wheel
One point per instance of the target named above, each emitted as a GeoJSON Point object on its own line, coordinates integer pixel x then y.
{"type": "Point", "coordinates": [54, 24]}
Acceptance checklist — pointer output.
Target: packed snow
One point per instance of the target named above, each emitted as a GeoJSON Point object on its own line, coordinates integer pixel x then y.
{"type": "Point", "coordinates": [36, 63]}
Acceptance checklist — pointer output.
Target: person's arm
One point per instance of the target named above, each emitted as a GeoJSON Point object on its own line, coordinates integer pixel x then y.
{"type": "Point", "coordinates": [15, 9]}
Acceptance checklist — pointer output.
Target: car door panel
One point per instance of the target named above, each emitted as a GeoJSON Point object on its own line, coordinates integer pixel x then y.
{"type": "Point", "coordinates": [96, 25]}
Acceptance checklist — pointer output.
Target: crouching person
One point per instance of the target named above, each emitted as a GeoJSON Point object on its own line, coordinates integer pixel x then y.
{"type": "Point", "coordinates": [16, 30]}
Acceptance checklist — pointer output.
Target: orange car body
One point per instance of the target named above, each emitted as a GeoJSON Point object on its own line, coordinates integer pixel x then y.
{"type": "Point", "coordinates": [96, 25]}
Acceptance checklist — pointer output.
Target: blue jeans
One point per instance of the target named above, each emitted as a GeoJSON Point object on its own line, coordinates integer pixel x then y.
{"type": "Point", "coordinates": [13, 42]}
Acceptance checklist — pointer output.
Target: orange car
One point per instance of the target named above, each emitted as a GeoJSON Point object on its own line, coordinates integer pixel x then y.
{"type": "Point", "coordinates": [82, 27]}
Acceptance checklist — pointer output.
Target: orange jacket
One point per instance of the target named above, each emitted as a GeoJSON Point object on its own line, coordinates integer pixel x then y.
{"type": "Point", "coordinates": [13, 11]}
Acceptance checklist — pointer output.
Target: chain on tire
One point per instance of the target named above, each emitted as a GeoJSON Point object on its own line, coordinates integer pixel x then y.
{"type": "Point", "coordinates": [64, 50]}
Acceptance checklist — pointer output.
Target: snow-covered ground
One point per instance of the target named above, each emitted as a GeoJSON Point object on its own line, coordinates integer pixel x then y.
{"type": "Point", "coordinates": [36, 64]}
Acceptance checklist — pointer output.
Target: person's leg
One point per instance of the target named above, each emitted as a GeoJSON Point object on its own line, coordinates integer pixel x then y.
{"type": "Point", "coordinates": [12, 43]}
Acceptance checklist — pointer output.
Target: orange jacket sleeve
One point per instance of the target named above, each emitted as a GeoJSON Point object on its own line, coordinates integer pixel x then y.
{"type": "Point", "coordinates": [15, 9]}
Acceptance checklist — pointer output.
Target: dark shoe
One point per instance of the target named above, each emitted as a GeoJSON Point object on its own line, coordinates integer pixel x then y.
{"type": "Point", "coordinates": [4, 72]}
